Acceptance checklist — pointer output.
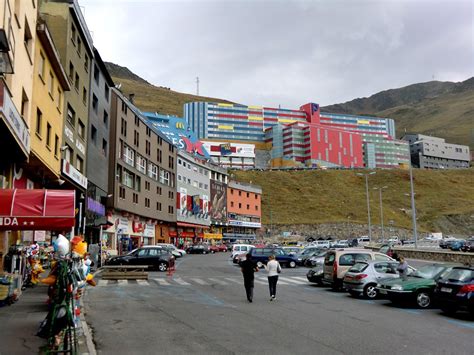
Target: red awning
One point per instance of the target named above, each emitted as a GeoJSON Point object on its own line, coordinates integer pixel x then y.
{"type": "Point", "coordinates": [192, 225]}
{"type": "Point", "coordinates": [23, 209]}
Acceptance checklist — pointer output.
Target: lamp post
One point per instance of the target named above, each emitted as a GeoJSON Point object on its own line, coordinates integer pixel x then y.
{"type": "Point", "coordinates": [381, 208]}
{"type": "Point", "coordinates": [368, 202]}
{"type": "Point", "coordinates": [413, 208]}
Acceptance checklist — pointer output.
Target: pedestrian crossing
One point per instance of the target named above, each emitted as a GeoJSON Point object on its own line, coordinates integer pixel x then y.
{"type": "Point", "coordinates": [199, 281]}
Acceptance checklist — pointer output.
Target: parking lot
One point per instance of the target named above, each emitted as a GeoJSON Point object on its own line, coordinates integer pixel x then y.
{"type": "Point", "coordinates": [203, 307]}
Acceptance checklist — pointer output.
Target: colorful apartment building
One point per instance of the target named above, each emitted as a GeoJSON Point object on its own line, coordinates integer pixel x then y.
{"type": "Point", "coordinates": [305, 136]}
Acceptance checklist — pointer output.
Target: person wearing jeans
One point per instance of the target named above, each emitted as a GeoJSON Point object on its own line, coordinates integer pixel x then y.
{"type": "Point", "coordinates": [273, 268]}
{"type": "Point", "coordinates": [248, 268]}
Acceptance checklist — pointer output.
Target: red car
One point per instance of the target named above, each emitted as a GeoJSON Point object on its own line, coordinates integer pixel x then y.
{"type": "Point", "coordinates": [217, 248]}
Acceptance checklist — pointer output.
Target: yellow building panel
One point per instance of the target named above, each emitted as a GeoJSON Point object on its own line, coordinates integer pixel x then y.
{"type": "Point", "coordinates": [363, 121]}
{"type": "Point", "coordinates": [284, 120]}
{"type": "Point", "coordinates": [225, 105]}
{"type": "Point", "coordinates": [255, 107]}
{"type": "Point", "coordinates": [255, 118]}
{"type": "Point", "coordinates": [227, 128]}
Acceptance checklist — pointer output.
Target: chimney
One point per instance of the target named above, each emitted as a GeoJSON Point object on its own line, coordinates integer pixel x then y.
{"type": "Point", "coordinates": [131, 97]}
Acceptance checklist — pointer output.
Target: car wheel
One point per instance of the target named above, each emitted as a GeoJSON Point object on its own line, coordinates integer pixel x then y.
{"type": "Point", "coordinates": [259, 264]}
{"type": "Point", "coordinates": [292, 264]}
{"type": "Point", "coordinates": [423, 299]}
{"type": "Point", "coordinates": [162, 267]}
{"type": "Point", "coordinates": [212, 251]}
{"type": "Point", "coordinates": [370, 291]}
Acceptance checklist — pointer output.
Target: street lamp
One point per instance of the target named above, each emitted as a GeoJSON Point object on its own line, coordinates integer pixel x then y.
{"type": "Point", "coordinates": [381, 208]}
{"type": "Point", "coordinates": [368, 203]}
{"type": "Point", "coordinates": [413, 208]}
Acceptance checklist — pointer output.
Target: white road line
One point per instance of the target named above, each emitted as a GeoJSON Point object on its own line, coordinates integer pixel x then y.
{"type": "Point", "coordinates": [143, 283]}
{"type": "Point", "coordinates": [180, 281]}
{"type": "Point", "coordinates": [103, 282]}
{"type": "Point", "coordinates": [219, 282]}
{"type": "Point", "coordinates": [301, 278]}
{"type": "Point", "coordinates": [261, 282]}
{"type": "Point", "coordinates": [162, 282]}
{"type": "Point", "coordinates": [291, 280]}
{"type": "Point", "coordinates": [122, 282]}
{"type": "Point", "coordinates": [234, 280]}
{"type": "Point", "coordinates": [199, 281]}
{"type": "Point", "coordinates": [265, 281]}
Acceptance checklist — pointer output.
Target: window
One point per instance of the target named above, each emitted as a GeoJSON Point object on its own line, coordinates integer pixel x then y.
{"type": "Point", "coordinates": [179, 177]}
{"type": "Point", "coordinates": [147, 202]}
{"type": "Point", "coordinates": [148, 131]}
{"type": "Point", "coordinates": [76, 85]}
{"type": "Point", "coordinates": [153, 171]}
{"type": "Point", "coordinates": [136, 139]}
{"type": "Point", "coordinates": [231, 191]}
{"type": "Point", "coordinates": [71, 71]}
{"type": "Point", "coordinates": [170, 209]}
{"type": "Point", "coordinates": [256, 196]}
{"type": "Point", "coordinates": [104, 147]}
{"type": "Point", "coordinates": [73, 34]}
{"type": "Point", "coordinates": [164, 177]}
{"type": "Point", "coordinates": [79, 163]}
{"type": "Point", "coordinates": [135, 198]}
{"type": "Point", "coordinates": [158, 190]}
{"type": "Point", "coordinates": [158, 155]}
{"type": "Point", "coordinates": [160, 140]}
{"type": "Point", "coordinates": [248, 207]}
{"type": "Point", "coordinates": [95, 103]}
{"type": "Point", "coordinates": [48, 135]}
{"type": "Point", "coordinates": [240, 205]}
{"type": "Point", "coordinates": [28, 39]}
{"type": "Point", "coordinates": [248, 195]}
{"type": "Point", "coordinates": [138, 183]}
{"type": "Point", "coordinates": [84, 96]}
{"type": "Point", "coordinates": [106, 92]}
{"type": "Point", "coordinates": [170, 194]}
{"type": "Point", "coordinates": [41, 66]}
{"type": "Point", "coordinates": [171, 162]}
{"type": "Point", "coordinates": [94, 134]}
{"type": "Point", "coordinates": [147, 185]}
{"type": "Point", "coordinates": [79, 46]}
{"type": "Point", "coordinates": [128, 178]}
{"type": "Point", "coordinates": [141, 164]}
{"type": "Point", "coordinates": [148, 148]}
{"type": "Point", "coordinates": [256, 208]}
{"type": "Point", "coordinates": [123, 128]}
{"type": "Point", "coordinates": [106, 119]}
{"type": "Point", "coordinates": [56, 145]}
{"type": "Point", "coordinates": [231, 203]}
{"type": "Point", "coordinates": [240, 193]}
{"type": "Point", "coordinates": [122, 192]}
{"type": "Point", "coordinates": [129, 155]}
{"type": "Point", "coordinates": [81, 130]}
{"type": "Point", "coordinates": [86, 63]}
{"type": "Point", "coordinates": [59, 98]}
{"type": "Point", "coordinates": [39, 122]}
{"type": "Point", "coordinates": [137, 121]}
{"type": "Point", "coordinates": [158, 206]}
{"type": "Point", "coordinates": [96, 74]}
{"type": "Point", "coordinates": [24, 105]}
{"type": "Point", "coordinates": [67, 154]}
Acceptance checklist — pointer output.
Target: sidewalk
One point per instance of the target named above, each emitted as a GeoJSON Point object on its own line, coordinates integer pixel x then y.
{"type": "Point", "coordinates": [20, 322]}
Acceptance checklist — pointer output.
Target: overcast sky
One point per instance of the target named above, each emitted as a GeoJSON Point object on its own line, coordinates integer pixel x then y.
{"type": "Point", "coordinates": [285, 52]}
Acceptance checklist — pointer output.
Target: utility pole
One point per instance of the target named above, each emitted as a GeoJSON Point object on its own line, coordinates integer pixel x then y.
{"type": "Point", "coordinates": [381, 209]}
{"type": "Point", "coordinates": [413, 208]}
{"type": "Point", "coordinates": [368, 202]}
{"type": "Point", "coordinates": [197, 85]}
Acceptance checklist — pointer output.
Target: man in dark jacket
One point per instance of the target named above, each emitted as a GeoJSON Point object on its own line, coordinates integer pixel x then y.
{"type": "Point", "coordinates": [248, 268]}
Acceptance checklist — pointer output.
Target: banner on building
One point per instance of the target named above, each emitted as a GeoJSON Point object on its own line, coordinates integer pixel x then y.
{"type": "Point", "coordinates": [196, 204]}
{"type": "Point", "coordinates": [218, 208]}
{"type": "Point", "coordinates": [183, 201]}
{"type": "Point", "coordinates": [205, 206]}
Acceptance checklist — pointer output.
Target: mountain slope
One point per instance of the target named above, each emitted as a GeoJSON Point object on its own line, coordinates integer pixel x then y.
{"type": "Point", "coordinates": [152, 98]}
{"type": "Point", "coordinates": [435, 108]}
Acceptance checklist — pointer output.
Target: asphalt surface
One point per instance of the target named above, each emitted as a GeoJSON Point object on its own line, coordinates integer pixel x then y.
{"type": "Point", "coordinates": [202, 309]}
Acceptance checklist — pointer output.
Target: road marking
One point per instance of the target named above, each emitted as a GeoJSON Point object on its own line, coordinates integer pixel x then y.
{"type": "Point", "coordinates": [261, 282]}
{"type": "Point", "coordinates": [181, 282]}
{"type": "Point", "coordinates": [291, 280]}
{"type": "Point", "coordinates": [219, 282]}
{"type": "Point", "coordinates": [162, 282]}
{"type": "Point", "coordinates": [301, 278]}
{"type": "Point", "coordinates": [103, 283]}
{"type": "Point", "coordinates": [143, 283]}
{"type": "Point", "coordinates": [122, 282]}
{"type": "Point", "coordinates": [199, 281]}
{"type": "Point", "coordinates": [279, 282]}
{"type": "Point", "coordinates": [462, 324]}
{"type": "Point", "coordinates": [233, 280]}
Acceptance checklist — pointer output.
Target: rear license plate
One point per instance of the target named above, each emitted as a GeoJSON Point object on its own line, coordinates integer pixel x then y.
{"type": "Point", "coordinates": [383, 292]}
{"type": "Point", "coordinates": [446, 289]}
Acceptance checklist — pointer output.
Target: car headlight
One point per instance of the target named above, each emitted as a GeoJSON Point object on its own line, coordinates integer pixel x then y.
{"type": "Point", "coordinates": [299, 259]}
{"type": "Point", "coordinates": [379, 285]}
{"type": "Point", "coordinates": [397, 287]}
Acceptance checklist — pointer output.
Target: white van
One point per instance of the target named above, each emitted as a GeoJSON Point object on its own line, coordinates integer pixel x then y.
{"type": "Point", "coordinates": [363, 240]}
{"type": "Point", "coordinates": [321, 244]}
{"type": "Point", "coordinates": [238, 249]}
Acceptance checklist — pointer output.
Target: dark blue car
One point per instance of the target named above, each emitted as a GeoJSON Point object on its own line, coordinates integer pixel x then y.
{"type": "Point", "coordinates": [260, 256]}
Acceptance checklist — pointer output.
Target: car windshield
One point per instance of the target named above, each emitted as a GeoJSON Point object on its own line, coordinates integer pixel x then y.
{"type": "Point", "coordinates": [359, 267]}
{"type": "Point", "coordinates": [429, 271]}
{"type": "Point", "coordinates": [132, 252]}
{"type": "Point", "coordinates": [461, 275]}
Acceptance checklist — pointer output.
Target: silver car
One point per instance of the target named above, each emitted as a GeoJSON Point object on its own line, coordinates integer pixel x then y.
{"type": "Point", "coordinates": [362, 278]}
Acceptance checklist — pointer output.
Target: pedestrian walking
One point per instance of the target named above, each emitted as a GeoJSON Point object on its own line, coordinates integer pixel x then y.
{"type": "Point", "coordinates": [402, 267]}
{"type": "Point", "coordinates": [273, 268]}
{"type": "Point", "coordinates": [248, 268]}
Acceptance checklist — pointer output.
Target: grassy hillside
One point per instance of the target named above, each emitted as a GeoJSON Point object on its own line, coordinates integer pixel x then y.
{"type": "Point", "coordinates": [152, 98]}
{"type": "Point", "coordinates": [325, 196]}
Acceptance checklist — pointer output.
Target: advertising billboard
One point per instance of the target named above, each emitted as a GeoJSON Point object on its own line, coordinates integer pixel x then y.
{"type": "Point", "coordinates": [236, 150]}
{"type": "Point", "coordinates": [183, 200]}
{"type": "Point", "coordinates": [218, 209]}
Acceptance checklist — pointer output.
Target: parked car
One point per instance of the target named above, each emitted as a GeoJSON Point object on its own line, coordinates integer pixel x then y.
{"type": "Point", "coordinates": [364, 240]}
{"type": "Point", "coordinates": [292, 250]}
{"type": "Point", "coordinates": [315, 275]}
{"type": "Point", "coordinates": [302, 258]}
{"type": "Point", "coordinates": [446, 243]}
{"type": "Point", "coordinates": [363, 277]}
{"type": "Point", "coordinates": [260, 256]}
{"type": "Point", "coordinates": [338, 261]}
{"type": "Point", "coordinates": [341, 244]}
{"type": "Point", "coordinates": [157, 258]}
{"type": "Point", "coordinates": [455, 291]}
{"type": "Point", "coordinates": [198, 249]}
{"type": "Point", "coordinates": [417, 287]}
{"type": "Point", "coordinates": [457, 245]}
{"type": "Point", "coordinates": [217, 248]}
{"type": "Point", "coordinates": [240, 249]}
{"type": "Point", "coordinates": [317, 259]}
{"type": "Point", "coordinates": [386, 249]}
{"type": "Point", "coordinates": [175, 251]}
{"type": "Point", "coordinates": [468, 246]}
{"type": "Point", "coordinates": [323, 244]}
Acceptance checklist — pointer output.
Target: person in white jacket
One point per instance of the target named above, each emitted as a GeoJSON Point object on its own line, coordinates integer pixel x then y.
{"type": "Point", "coordinates": [273, 268]}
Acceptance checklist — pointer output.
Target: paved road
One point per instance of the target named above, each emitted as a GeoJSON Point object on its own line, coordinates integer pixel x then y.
{"type": "Point", "coordinates": [202, 309]}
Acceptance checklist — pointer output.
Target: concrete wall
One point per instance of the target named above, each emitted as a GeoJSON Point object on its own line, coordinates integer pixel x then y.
{"type": "Point", "coordinates": [433, 255]}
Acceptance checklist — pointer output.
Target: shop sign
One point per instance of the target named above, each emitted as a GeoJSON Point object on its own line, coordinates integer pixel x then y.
{"type": "Point", "coordinates": [187, 234]}
{"type": "Point", "coordinates": [173, 233]}
{"type": "Point", "coordinates": [244, 224]}
{"type": "Point", "coordinates": [69, 133]}
{"type": "Point", "coordinates": [149, 231]}
{"type": "Point", "coordinates": [95, 206]}
{"type": "Point", "coordinates": [40, 236]}
{"type": "Point", "coordinates": [74, 174]}
{"type": "Point", "coordinates": [14, 120]}
{"type": "Point", "coordinates": [121, 224]}
{"type": "Point", "coordinates": [212, 235]}
{"type": "Point", "coordinates": [80, 147]}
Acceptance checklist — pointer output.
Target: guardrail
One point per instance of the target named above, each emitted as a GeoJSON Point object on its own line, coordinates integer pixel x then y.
{"type": "Point", "coordinates": [125, 272]}
{"type": "Point", "coordinates": [433, 255]}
